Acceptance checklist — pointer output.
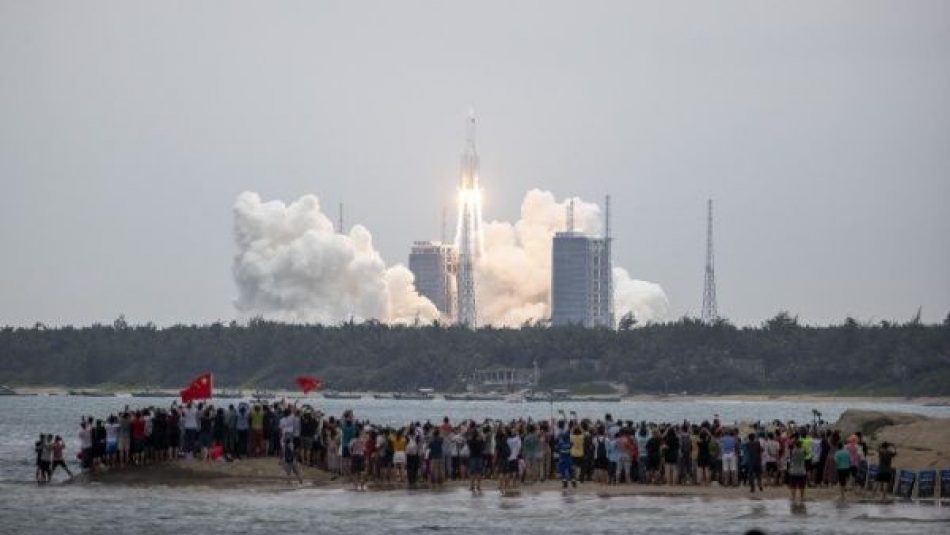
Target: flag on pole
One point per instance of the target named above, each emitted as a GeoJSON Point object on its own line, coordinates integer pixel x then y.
{"type": "Point", "coordinates": [200, 388]}
{"type": "Point", "coordinates": [308, 383]}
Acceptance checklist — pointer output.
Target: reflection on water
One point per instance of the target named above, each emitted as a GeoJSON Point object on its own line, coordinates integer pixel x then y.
{"type": "Point", "coordinates": [97, 509]}
{"type": "Point", "coordinates": [94, 508]}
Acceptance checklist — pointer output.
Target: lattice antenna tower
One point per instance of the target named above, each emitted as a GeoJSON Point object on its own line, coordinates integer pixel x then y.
{"type": "Point", "coordinates": [710, 313]}
{"type": "Point", "coordinates": [610, 264]}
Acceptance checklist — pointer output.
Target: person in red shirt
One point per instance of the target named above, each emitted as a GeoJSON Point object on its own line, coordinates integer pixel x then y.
{"type": "Point", "coordinates": [138, 438]}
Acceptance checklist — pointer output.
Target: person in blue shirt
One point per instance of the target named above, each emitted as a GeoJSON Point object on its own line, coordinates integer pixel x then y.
{"type": "Point", "coordinates": [612, 457]}
{"type": "Point", "coordinates": [730, 462]}
{"type": "Point", "coordinates": [843, 465]}
{"type": "Point", "coordinates": [565, 464]}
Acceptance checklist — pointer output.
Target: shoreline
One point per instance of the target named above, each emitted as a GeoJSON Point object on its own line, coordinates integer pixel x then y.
{"type": "Point", "coordinates": [267, 474]}
{"type": "Point", "coordinates": [804, 397]}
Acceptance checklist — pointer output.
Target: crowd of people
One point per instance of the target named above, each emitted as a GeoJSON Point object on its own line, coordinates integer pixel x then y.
{"type": "Point", "coordinates": [574, 450]}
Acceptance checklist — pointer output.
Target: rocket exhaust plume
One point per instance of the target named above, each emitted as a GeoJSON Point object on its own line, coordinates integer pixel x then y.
{"type": "Point", "coordinates": [514, 275]}
{"type": "Point", "coordinates": [293, 266]}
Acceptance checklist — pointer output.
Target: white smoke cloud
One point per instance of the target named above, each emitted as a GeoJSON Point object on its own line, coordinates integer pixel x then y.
{"type": "Point", "coordinates": [293, 266]}
{"type": "Point", "coordinates": [645, 300]}
{"type": "Point", "coordinates": [514, 276]}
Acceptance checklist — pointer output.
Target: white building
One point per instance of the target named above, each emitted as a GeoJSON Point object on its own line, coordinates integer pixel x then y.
{"type": "Point", "coordinates": [581, 280]}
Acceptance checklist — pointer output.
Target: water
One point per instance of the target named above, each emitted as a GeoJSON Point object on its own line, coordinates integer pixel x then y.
{"type": "Point", "coordinates": [27, 508]}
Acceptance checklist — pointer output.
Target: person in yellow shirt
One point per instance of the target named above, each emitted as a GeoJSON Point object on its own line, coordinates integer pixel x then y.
{"type": "Point", "coordinates": [577, 447]}
{"type": "Point", "coordinates": [398, 442]}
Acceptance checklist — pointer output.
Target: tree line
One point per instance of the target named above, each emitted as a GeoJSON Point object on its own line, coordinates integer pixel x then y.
{"type": "Point", "coordinates": [779, 356]}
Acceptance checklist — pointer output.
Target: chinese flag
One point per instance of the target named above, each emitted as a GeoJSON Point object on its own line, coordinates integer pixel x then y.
{"type": "Point", "coordinates": [200, 388]}
{"type": "Point", "coordinates": [308, 383]}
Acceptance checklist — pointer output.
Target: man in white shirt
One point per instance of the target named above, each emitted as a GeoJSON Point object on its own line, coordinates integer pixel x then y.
{"type": "Point", "coordinates": [509, 478]}
{"type": "Point", "coordinates": [85, 441]}
{"type": "Point", "coordinates": [190, 419]}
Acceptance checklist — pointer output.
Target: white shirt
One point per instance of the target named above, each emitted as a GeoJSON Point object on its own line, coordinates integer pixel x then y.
{"type": "Point", "coordinates": [112, 432]}
{"type": "Point", "coordinates": [85, 438]}
{"type": "Point", "coordinates": [190, 417]}
{"type": "Point", "coordinates": [287, 426]}
{"type": "Point", "coordinates": [514, 446]}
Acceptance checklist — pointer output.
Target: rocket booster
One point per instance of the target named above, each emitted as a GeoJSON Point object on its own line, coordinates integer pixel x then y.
{"type": "Point", "coordinates": [469, 179]}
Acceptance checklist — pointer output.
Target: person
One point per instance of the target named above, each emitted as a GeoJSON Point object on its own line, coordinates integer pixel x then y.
{"type": "Point", "coordinates": [671, 445]}
{"type": "Point", "coordinates": [642, 439]}
{"type": "Point", "coordinates": [85, 442]}
{"type": "Point", "coordinates": [770, 456]}
{"type": "Point", "coordinates": [243, 425]}
{"type": "Point", "coordinates": [885, 471]}
{"type": "Point", "coordinates": [613, 457]}
{"type": "Point", "coordinates": [730, 462]}
{"type": "Point", "coordinates": [398, 443]}
{"type": "Point", "coordinates": [257, 431]}
{"type": "Point", "coordinates": [754, 464]}
{"type": "Point", "coordinates": [513, 443]}
{"type": "Point", "coordinates": [531, 446]}
{"type": "Point", "coordinates": [626, 449]}
{"type": "Point", "coordinates": [38, 449]}
{"type": "Point", "coordinates": [601, 462]}
{"type": "Point", "coordinates": [412, 458]}
{"type": "Point", "coordinates": [476, 448]}
{"type": "Point", "coordinates": [190, 417]}
{"type": "Point", "coordinates": [356, 450]}
{"type": "Point", "coordinates": [125, 439]}
{"type": "Point", "coordinates": [843, 465]}
{"type": "Point", "coordinates": [112, 441]}
{"type": "Point", "coordinates": [565, 464]}
{"type": "Point", "coordinates": [703, 456]}
{"type": "Point", "coordinates": [436, 464]}
{"type": "Point", "coordinates": [290, 459]}
{"type": "Point", "coordinates": [797, 472]}
{"type": "Point", "coordinates": [59, 457]}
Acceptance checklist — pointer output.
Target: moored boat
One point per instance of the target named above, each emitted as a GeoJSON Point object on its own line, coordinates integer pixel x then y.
{"type": "Point", "coordinates": [332, 394]}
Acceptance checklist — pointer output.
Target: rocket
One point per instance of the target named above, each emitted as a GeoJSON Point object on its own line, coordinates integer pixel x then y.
{"type": "Point", "coordinates": [469, 178]}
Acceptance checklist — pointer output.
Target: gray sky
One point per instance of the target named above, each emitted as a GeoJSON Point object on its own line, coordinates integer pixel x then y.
{"type": "Point", "coordinates": [821, 129]}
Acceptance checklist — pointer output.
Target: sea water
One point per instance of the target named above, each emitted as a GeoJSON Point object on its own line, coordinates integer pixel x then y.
{"type": "Point", "coordinates": [96, 508]}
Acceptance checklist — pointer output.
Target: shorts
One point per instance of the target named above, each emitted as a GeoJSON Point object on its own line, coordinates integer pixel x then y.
{"type": "Point", "coordinates": [346, 452]}
{"type": "Point", "coordinates": [883, 477]}
{"type": "Point", "coordinates": [512, 466]}
{"type": "Point", "coordinates": [843, 476]}
{"type": "Point", "coordinates": [600, 463]}
{"type": "Point", "coordinates": [796, 482]}
{"type": "Point", "coordinates": [399, 457]}
{"type": "Point", "coordinates": [124, 444]}
{"type": "Point", "coordinates": [771, 467]}
{"type": "Point", "coordinates": [45, 467]}
{"type": "Point", "coordinates": [476, 466]}
{"type": "Point", "coordinates": [306, 443]}
{"type": "Point", "coordinates": [111, 447]}
{"type": "Point", "coordinates": [356, 464]}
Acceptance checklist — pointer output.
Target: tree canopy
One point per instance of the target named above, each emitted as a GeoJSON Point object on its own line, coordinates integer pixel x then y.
{"type": "Point", "coordinates": [682, 356]}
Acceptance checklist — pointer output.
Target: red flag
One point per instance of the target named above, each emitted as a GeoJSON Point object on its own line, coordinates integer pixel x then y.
{"type": "Point", "coordinates": [308, 383]}
{"type": "Point", "coordinates": [200, 388]}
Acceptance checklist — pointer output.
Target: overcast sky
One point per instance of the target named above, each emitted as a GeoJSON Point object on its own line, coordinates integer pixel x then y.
{"type": "Point", "coordinates": [821, 129]}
